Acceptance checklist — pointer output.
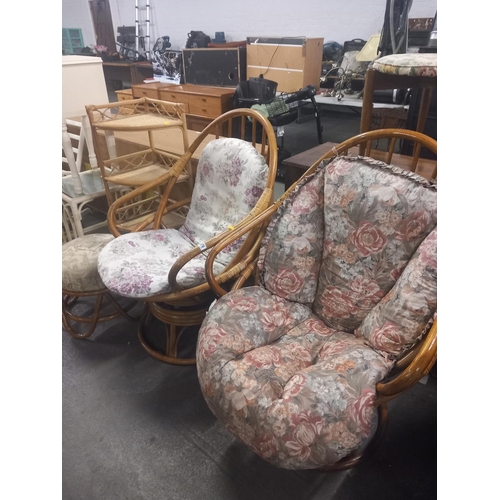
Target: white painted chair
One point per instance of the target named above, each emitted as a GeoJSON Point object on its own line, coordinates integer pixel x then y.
{"type": "Point", "coordinates": [79, 186]}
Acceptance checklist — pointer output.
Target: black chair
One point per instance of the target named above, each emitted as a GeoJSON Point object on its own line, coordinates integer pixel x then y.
{"type": "Point", "coordinates": [282, 109]}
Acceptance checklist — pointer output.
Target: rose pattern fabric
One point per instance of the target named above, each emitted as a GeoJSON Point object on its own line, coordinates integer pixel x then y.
{"type": "Point", "coordinates": [375, 216]}
{"type": "Point", "coordinates": [290, 254]}
{"type": "Point", "coordinates": [278, 363]}
{"type": "Point", "coordinates": [231, 177]}
{"type": "Point", "coordinates": [408, 64]}
{"type": "Point", "coordinates": [298, 393]}
{"type": "Point", "coordinates": [398, 321]}
{"type": "Point", "coordinates": [79, 263]}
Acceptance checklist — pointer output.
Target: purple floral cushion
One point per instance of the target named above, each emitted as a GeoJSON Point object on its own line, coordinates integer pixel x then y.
{"type": "Point", "coordinates": [137, 264]}
{"type": "Point", "coordinates": [230, 179]}
{"type": "Point", "coordinates": [397, 322]}
{"type": "Point", "coordinates": [298, 393]}
{"type": "Point", "coordinates": [376, 216]}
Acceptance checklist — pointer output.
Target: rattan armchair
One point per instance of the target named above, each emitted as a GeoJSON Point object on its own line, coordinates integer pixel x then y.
{"type": "Point", "coordinates": [164, 267]}
{"type": "Point", "coordinates": [343, 318]}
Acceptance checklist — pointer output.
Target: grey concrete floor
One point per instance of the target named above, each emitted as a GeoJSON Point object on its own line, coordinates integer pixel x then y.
{"type": "Point", "coordinates": [136, 428]}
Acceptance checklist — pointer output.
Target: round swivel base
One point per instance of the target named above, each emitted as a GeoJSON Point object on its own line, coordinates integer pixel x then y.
{"type": "Point", "coordinates": [69, 300]}
{"type": "Point", "coordinates": [177, 321]}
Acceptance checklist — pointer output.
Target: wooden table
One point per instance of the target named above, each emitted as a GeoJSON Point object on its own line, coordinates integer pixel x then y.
{"type": "Point", "coordinates": [296, 165]}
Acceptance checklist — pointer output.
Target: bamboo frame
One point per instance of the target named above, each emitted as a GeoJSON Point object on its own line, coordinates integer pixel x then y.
{"type": "Point", "coordinates": [169, 307]}
{"type": "Point", "coordinates": [70, 297]}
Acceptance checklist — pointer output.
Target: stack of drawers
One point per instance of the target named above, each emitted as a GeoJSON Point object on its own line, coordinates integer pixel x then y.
{"type": "Point", "coordinates": [203, 104]}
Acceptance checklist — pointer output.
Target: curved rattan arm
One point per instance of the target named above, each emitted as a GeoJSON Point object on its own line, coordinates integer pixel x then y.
{"type": "Point", "coordinates": [169, 178]}
{"type": "Point", "coordinates": [261, 205]}
{"type": "Point", "coordinates": [418, 368]}
{"type": "Point", "coordinates": [246, 226]}
{"type": "Point", "coordinates": [365, 139]}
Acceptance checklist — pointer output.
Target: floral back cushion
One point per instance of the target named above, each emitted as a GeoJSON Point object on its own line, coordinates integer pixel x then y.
{"type": "Point", "coordinates": [376, 216]}
{"type": "Point", "coordinates": [230, 179]}
{"type": "Point", "coordinates": [291, 252]}
{"type": "Point", "coordinates": [397, 322]}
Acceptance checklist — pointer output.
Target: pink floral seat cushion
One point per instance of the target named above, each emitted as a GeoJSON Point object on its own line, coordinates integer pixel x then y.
{"type": "Point", "coordinates": [298, 393]}
{"type": "Point", "coordinates": [411, 64]}
{"type": "Point", "coordinates": [342, 239]}
{"type": "Point", "coordinates": [399, 320]}
{"type": "Point", "coordinates": [230, 179]}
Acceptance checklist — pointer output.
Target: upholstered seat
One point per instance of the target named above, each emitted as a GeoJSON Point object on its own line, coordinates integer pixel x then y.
{"type": "Point", "coordinates": [81, 280]}
{"type": "Point", "coordinates": [347, 287]}
{"type": "Point", "coordinates": [79, 263]}
{"type": "Point", "coordinates": [230, 179]}
{"type": "Point", "coordinates": [411, 64]}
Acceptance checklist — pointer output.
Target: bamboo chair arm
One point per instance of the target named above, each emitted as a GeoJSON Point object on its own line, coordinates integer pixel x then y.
{"type": "Point", "coordinates": [418, 368]}
{"type": "Point", "coordinates": [260, 220]}
{"type": "Point", "coordinates": [191, 254]}
{"type": "Point", "coordinates": [171, 177]}
{"type": "Point", "coordinates": [244, 275]}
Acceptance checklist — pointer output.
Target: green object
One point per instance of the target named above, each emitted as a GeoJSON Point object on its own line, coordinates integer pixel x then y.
{"type": "Point", "coordinates": [72, 41]}
{"type": "Point", "coordinates": [274, 108]}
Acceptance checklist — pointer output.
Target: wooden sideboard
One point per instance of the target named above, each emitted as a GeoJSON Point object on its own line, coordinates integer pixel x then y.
{"type": "Point", "coordinates": [151, 90]}
{"type": "Point", "coordinates": [203, 103]}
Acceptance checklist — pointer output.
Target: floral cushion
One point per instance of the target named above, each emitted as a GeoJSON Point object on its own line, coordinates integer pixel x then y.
{"type": "Point", "coordinates": [298, 393]}
{"type": "Point", "coordinates": [137, 264]}
{"type": "Point", "coordinates": [230, 179]}
{"type": "Point", "coordinates": [342, 239]}
{"type": "Point", "coordinates": [291, 252]}
{"type": "Point", "coordinates": [375, 218]}
{"type": "Point", "coordinates": [79, 263]}
{"type": "Point", "coordinates": [411, 64]}
{"type": "Point", "coordinates": [396, 323]}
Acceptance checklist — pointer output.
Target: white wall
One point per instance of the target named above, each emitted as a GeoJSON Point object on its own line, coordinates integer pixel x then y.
{"type": "Point", "coordinates": [337, 20]}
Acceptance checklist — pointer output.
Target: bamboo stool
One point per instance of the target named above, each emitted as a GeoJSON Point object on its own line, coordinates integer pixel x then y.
{"type": "Point", "coordinates": [81, 279]}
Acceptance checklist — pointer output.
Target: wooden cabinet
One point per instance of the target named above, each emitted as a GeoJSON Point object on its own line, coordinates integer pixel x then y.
{"type": "Point", "coordinates": [202, 103]}
{"type": "Point", "coordinates": [151, 90]}
{"type": "Point", "coordinates": [124, 95]}
{"type": "Point", "coordinates": [292, 62]}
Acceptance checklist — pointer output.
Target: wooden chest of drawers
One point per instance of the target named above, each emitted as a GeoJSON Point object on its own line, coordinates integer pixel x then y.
{"type": "Point", "coordinates": [124, 95]}
{"type": "Point", "coordinates": [202, 103]}
{"type": "Point", "coordinates": [151, 90]}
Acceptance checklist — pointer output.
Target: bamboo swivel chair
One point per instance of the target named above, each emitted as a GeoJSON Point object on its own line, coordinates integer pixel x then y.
{"type": "Point", "coordinates": [300, 367]}
{"type": "Point", "coordinates": [164, 267]}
